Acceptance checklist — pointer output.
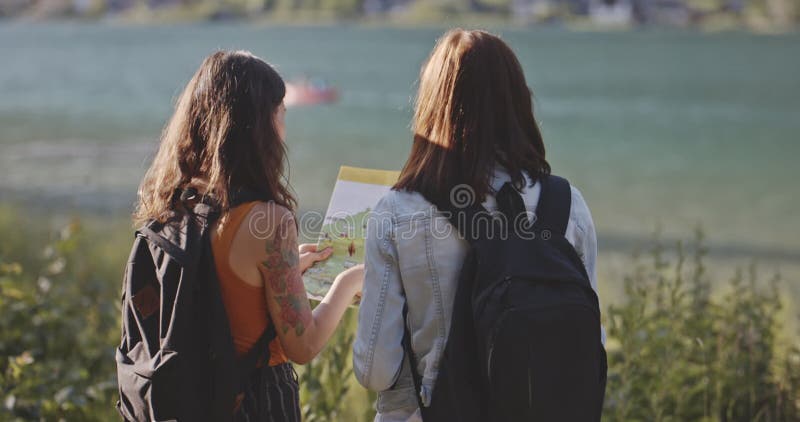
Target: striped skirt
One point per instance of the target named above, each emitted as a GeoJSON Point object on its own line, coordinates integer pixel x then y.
{"type": "Point", "coordinates": [271, 395]}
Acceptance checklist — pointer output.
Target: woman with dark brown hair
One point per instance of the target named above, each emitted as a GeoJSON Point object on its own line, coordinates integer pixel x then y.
{"type": "Point", "coordinates": [225, 142]}
{"type": "Point", "coordinates": [474, 132]}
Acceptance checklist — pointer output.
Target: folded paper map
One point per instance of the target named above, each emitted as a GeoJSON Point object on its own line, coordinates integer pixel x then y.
{"type": "Point", "coordinates": [356, 192]}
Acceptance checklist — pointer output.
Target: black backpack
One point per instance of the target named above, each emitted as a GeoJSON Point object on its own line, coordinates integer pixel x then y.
{"type": "Point", "coordinates": [176, 360]}
{"type": "Point", "coordinates": [524, 342]}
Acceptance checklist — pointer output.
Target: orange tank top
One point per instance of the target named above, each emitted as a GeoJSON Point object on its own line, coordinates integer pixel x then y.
{"type": "Point", "coordinates": [245, 304]}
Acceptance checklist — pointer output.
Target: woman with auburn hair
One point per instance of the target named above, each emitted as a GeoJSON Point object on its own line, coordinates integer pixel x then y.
{"type": "Point", "coordinates": [224, 143]}
{"type": "Point", "coordinates": [474, 132]}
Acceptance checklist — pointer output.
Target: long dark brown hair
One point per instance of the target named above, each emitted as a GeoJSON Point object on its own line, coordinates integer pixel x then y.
{"type": "Point", "coordinates": [473, 111]}
{"type": "Point", "coordinates": [221, 138]}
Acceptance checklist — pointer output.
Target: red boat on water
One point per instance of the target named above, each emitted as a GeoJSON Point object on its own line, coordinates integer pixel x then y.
{"type": "Point", "coordinates": [309, 92]}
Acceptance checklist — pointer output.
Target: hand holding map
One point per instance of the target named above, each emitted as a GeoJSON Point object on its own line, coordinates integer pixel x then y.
{"type": "Point", "coordinates": [356, 192]}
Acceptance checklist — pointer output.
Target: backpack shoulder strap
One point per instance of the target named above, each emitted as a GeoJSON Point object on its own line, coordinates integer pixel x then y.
{"type": "Point", "coordinates": [182, 237]}
{"type": "Point", "coordinates": [165, 244]}
{"type": "Point", "coordinates": [555, 201]}
{"type": "Point", "coordinates": [509, 201]}
{"type": "Point", "coordinates": [473, 222]}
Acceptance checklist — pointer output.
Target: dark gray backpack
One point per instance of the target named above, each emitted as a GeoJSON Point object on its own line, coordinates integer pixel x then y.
{"type": "Point", "coordinates": [176, 360]}
{"type": "Point", "coordinates": [524, 342]}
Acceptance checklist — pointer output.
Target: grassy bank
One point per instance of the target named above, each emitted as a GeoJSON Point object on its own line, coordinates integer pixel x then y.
{"type": "Point", "coordinates": [760, 16]}
{"type": "Point", "coordinates": [684, 342]}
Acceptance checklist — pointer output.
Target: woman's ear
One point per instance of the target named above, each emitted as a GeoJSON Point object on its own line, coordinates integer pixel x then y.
{"type": "Point", "coordinates": [280, 120]}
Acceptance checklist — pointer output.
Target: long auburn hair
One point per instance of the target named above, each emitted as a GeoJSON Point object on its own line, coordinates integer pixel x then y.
{"type": "Point", "coordinates": [472, 112]}
{"type": "Point", "coordinates": [221, 138]}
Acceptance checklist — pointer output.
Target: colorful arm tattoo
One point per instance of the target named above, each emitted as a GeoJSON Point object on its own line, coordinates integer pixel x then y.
{"type": "Point", "coordinates": [281, 271]}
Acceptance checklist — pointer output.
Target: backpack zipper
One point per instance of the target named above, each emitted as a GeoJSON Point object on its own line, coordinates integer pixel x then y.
{"type": "Point", "coordinates": [491, 345]}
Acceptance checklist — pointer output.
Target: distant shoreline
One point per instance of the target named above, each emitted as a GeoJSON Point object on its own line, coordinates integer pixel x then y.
{"type": "Point", "coordinates": [316, 18]}
{"type": "Point", "coordinates": [117, 210]}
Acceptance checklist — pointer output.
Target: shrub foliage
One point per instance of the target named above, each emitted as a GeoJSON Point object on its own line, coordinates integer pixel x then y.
{"type": "Point", "coordinates": [677, 350]}
{"type": "Point", "coordinates": [677, 353]}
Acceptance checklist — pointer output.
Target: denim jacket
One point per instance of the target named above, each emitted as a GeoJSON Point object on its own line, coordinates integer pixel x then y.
{"type": "Point", "coordinates": [412, 252]}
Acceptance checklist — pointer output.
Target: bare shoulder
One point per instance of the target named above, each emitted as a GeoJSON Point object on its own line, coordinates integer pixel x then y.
{"type": "Point", "coordinates": [265, 224]}
{"type": "Point", "coordinates": [254, 236]}
{"type": "Point", "coordinates": [270, 212]}
{"type": "Point", "coordinates": [265, 217]}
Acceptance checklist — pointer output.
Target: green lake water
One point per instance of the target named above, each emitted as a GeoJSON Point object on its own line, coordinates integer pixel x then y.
{"type": "Point", "coordinates": [669, 129]}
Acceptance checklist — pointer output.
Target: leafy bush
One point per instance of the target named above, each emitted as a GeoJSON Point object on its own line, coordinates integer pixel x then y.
{"type": "Point", "coordinates": [58, 323]}
{"type": "Point", "coordinates": [326, 383]}
{"type": "Point", "coordinates": [678, 351]}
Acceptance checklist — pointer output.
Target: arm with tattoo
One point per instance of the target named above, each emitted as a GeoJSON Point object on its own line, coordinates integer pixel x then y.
{"type": "Point", "coordinates": [302, 332]}
{"type": "Point", "coordinates": [281, 271]}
